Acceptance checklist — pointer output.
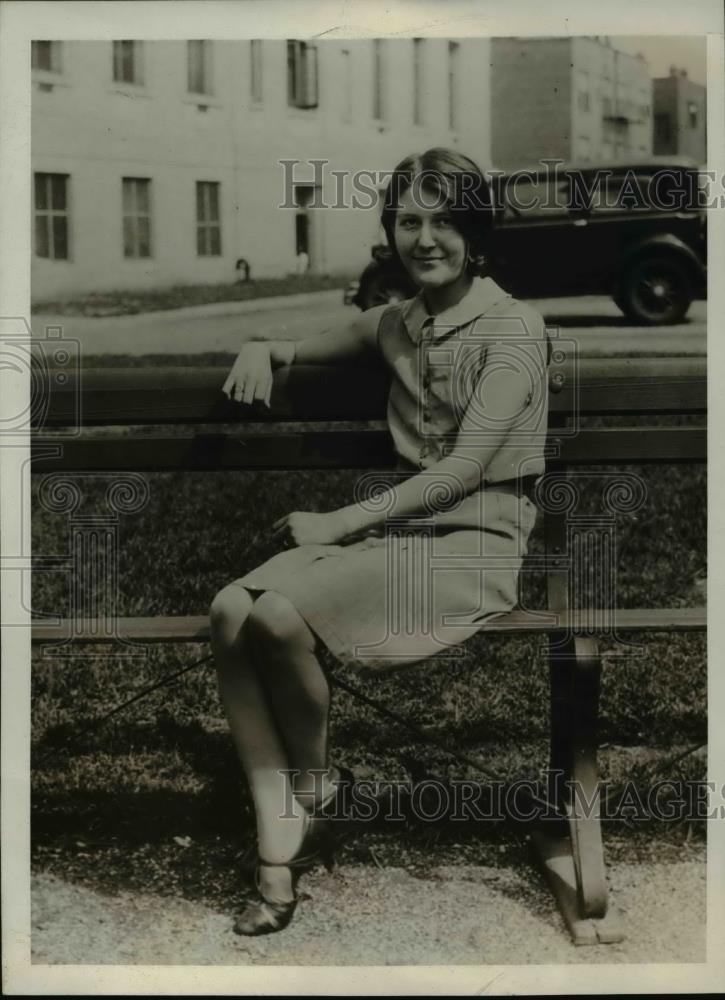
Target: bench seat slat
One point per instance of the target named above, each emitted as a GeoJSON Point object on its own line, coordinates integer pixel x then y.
{"type": "Point", "coordinates": [195, 628]}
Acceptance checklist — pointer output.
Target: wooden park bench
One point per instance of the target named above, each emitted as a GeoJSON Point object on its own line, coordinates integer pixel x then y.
{"type": "Point", "coordinates": [124, 421]}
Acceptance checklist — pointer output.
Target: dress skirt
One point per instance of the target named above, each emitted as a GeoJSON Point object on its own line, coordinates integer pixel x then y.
{"type": "Point", "coordinates": [415, 589]}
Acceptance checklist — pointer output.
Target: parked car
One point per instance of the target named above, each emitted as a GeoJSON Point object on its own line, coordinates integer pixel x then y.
{"type": "Point", "coordinates": [634, 230]}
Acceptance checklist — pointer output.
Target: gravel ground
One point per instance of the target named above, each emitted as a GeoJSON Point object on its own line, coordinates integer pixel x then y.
{"type": "Point", "coordinates": [462, 915]}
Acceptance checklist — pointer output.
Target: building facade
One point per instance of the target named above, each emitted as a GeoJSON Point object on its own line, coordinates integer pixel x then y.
{"type": "Point", "coordinates": [680, 116]}
{"type": "Point", "coordinates": [573, 98]}
{"type": "Point", "coordinates": [165, 162]}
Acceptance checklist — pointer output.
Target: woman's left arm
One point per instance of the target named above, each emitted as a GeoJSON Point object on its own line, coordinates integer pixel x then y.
{"type": "Point", "coordinates": [513, 377]}
{"type": "Point", "coordinates": [506, 397]}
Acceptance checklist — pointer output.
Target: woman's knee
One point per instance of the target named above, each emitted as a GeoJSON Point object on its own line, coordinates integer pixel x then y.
{"type": "Point", "coordinates": [230, 609]}
{"type": "Point", "coordinates": [274, 620]}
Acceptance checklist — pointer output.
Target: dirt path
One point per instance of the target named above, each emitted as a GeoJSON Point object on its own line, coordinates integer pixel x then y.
{"type": "Point", "coordinates": [455, 915]}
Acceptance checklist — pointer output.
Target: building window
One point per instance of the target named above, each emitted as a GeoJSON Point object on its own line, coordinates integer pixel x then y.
{"type": "Point", "coordinates": [45, 56]}
{"type": "Point", "coordinates": [127, 66]}
{"type": "Point", "coordinates": [302, 83]}
{"type": "Point", "coordinates": [454, 50]}
{"type": "Point", "coordinates": [583, 100]}
{"type": "Point", "coordinates": [255, 64]}
{"type": "Point", "coordinates": [417, 81]}
{"type": "Point", "coordinates": [607, 107]}
{"type": "Point", "coordinates": [208, 225]}
{"type": "Point", "coordinates": [51, 216]}
{"type": "Point", "coordinates": [198, 65]}
{"type": "Point", "coordinates": [136, 217]}
{"type": "Point", "coordinates": [346, 86]}
{"type": "Point", "coordinates": [692, 114]}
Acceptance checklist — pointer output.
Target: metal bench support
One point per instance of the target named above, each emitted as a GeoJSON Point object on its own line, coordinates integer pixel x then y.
{"type": "Point", "coordinates": [571, 853]}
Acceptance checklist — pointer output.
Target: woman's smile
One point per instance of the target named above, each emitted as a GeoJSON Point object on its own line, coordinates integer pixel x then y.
{"type": "Point", "coordinates": [427, 261]}
{"type": "Point", "coordinates": [428, 243]}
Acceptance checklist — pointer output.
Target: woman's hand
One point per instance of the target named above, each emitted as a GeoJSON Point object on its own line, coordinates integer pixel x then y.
{"type": "Point", "coordinates": [306, 528]}
{"type": "Point", "coordinates": [251, 374]}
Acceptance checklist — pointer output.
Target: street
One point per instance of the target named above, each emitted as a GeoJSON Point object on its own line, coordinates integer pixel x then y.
{"type": "Point", "coordinates": [593, 321]}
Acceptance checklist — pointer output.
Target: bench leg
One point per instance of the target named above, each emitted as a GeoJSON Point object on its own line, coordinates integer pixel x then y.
{"type": "Point", "coordinates": [571, 853]}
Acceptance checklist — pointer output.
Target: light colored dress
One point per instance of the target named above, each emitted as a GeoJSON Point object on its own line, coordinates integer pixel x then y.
{"type": "Point", "coordinates": [420, 586]}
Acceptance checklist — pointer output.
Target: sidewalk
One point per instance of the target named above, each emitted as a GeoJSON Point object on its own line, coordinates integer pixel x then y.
{"type": "Point", "coordinates": [594, 322]}
{"type": "Point", "coordinates": [231, 308]}
{"type": "Point", "coordinates": [463, 915]}
{"type": "Point", "coordinates": [218, 326]}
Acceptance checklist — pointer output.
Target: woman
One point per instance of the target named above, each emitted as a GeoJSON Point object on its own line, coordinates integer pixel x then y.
{"type": "Point", "coordinates": [413, 571]}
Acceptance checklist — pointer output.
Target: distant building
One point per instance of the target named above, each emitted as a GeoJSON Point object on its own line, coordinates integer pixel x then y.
{"type": "Point", "coordinates": [570, 98]}
{"type": "Point", "coordinates": [680, 116]}
{"type": "Point", "coordinates": [158, 162]}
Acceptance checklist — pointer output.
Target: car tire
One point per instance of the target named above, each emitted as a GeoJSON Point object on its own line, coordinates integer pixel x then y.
{"type": "Point", "coordinates": [655, 290]}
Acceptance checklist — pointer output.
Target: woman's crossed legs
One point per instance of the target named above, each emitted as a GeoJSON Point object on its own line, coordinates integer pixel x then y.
{"type": "Point", "coordinates": [276, 700]}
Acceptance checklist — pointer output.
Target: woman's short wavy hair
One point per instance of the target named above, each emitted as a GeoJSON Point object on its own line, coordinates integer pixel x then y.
{"type": "Point", "coordinates": [459, 184]}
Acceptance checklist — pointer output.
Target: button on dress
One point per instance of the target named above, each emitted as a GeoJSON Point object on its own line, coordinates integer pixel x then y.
{"type": "Point", "coordinates": [418, 587]}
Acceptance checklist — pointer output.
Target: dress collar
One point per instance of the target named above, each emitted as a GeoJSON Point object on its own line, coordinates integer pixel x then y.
{"type": "Point", "coordinates": [483, 294]}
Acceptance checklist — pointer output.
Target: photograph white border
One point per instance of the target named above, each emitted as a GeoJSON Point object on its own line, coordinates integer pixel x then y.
{"type": "Point", "coordinates": [21, 21]}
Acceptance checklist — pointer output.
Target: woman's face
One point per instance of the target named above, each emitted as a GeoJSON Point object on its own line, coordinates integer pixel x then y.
{"type": "Point", "coordinates": [432, 250]}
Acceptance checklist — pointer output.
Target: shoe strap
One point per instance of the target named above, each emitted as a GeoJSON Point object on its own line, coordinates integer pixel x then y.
{"type": "Point", "coordinates": [302, 862]}
{"type": "Point", "coordinates": [296, 862]}
{"type": "Point", "coordinates": [269, 902]}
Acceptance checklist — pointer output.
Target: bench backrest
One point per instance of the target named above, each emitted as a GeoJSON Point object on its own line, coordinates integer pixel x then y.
{"type": "Point", "coordinates": [333, 417]}
{"type": "Point", "coordinates": [81, 413]}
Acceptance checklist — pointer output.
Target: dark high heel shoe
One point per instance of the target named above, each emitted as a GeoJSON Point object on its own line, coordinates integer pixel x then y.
{"type": "Point", "coordinates": [336, 805]}
{"type": "Point", "coordinates": [265, 916]}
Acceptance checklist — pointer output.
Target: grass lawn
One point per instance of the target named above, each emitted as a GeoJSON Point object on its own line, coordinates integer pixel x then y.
{"type": "Point", "coordinates": [123, 302]}
{"type": "Point", "coordinates": [108, 801]}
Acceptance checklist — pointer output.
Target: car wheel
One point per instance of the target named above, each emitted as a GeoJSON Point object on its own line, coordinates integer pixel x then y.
{"type": "Point", "coordinates": [655, 290]}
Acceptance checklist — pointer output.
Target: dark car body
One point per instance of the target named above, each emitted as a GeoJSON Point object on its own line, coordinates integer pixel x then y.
{"type": "Point", "coordinates": [635, 231]}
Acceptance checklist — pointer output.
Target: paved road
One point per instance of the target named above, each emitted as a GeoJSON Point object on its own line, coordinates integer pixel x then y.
{"type": "Point", "coordinates": [594, 321]}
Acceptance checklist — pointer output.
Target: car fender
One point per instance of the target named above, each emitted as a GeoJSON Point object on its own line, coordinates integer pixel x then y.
{"type": "Point", "coordinates": [667, 243]}
{"type": "Point", "coordinates": [382, 268]}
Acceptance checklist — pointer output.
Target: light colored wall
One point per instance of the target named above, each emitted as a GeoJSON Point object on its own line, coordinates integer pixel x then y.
{"type": "Point", "coordinates": [98, 132]}
{"type": "Point", "coordinates": [624, 82]}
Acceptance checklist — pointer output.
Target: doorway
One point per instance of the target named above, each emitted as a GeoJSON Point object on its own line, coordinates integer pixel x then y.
{"type": "Point", "coordinates": [305, 234]}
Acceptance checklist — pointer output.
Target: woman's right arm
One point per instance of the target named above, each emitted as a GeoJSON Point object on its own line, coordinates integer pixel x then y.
{"type": "Point", "coordinates": [251, 375]}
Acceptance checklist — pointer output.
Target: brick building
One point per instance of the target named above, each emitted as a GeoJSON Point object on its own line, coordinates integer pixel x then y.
{"type": "Point", "coordinates": [576, 98]}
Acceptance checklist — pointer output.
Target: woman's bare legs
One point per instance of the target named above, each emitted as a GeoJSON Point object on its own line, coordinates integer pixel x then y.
{"type": "Point", "coordinates": [297, 690]}
{"type": "Point", "coordinates": [276, 726]}
{"type": "Point", "coordinates": [255, 737]}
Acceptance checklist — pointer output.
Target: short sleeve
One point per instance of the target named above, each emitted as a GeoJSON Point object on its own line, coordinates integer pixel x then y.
{"type": "Point", "coordinates": [510, 389]}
